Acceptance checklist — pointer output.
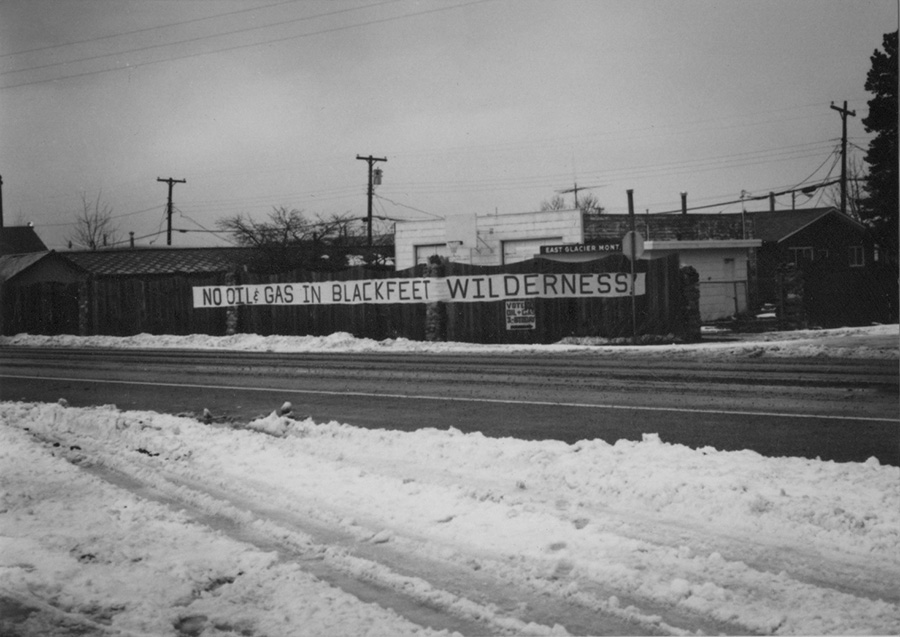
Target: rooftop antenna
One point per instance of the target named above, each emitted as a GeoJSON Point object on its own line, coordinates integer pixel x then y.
{"type": "Point", "coordinates": [576, 188]}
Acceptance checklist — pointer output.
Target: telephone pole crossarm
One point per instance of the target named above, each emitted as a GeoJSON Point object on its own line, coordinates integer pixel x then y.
{"type": "Point", "coordinates": [371, 191]}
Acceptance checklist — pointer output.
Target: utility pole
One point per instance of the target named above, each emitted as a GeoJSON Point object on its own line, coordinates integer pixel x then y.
{"type": "Point", "coordinates": [171, 183]}
{"type": "Point", "coordinates": [632, 259]}
{"type": "Point", "coordinates": [371, 161]}
{"type": "Point", "coordinates": [844, 112]}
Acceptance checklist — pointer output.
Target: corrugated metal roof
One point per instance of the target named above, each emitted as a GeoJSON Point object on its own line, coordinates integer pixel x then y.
{"type": "Point", "coordinates": [138, 261]}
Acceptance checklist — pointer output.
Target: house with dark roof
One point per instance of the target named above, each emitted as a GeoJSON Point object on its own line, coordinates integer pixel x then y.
{"type": "Point", "coordinates": [844, 279]}
{"type": "Point", "coordinates": [160, 261]}
{"type": "Point", "coordinates": [20, 240]}
{"type": "Point", "coordinates": [136, 290]}
{"type": "Point", "coordinates": [39, 293]}
{"type": "Point", "coordinates": [110, 291]}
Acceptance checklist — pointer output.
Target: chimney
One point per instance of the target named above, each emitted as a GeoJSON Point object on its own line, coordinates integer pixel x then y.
{"type": "Point", "coordinates": [771, 202]}
{"type": "Point", "coordinates": [131, 236]}
{"type": "Point", "coordinates": [683, 202]}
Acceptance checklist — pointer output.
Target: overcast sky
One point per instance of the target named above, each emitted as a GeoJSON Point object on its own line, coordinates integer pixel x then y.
{"type": "Point", "coordinates": [479, 107]}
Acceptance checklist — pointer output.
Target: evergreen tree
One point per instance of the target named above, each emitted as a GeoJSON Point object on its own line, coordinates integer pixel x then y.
{"type": "Point", "coordinates": [880, 207]}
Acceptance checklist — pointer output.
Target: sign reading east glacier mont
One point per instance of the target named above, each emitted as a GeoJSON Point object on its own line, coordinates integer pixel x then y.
{"type": "Point", "coordinates": [452, 289]}
{"type": "Point", "coordinates": [582, 248]}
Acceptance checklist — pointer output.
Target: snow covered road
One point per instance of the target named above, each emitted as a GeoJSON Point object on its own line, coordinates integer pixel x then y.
{"type": "Point", "coordinates": [141, 523]}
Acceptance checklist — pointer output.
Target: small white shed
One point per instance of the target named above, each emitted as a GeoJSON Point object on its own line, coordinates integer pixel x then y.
{"type": "Point", "coordinates": [723, 266]}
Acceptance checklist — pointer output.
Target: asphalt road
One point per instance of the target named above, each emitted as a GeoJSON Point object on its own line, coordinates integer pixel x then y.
{"type": "Point", "coordinates": [836, 409]}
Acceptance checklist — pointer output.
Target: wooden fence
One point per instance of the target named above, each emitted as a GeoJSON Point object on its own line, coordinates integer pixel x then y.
{"type": "Point", "coordinates": [163, 304]}
{"type": "Point", "coordinates": [658, 311]}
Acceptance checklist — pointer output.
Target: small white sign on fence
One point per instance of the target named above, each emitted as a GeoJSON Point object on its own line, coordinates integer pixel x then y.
{"type": "Point", "coordinates": [520, 315]}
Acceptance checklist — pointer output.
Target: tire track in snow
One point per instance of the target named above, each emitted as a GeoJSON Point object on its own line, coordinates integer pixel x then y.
{"type": "Point", "coordinates": [414, 587]}
{"type": "Point", "coordinates": [425, 591]}
{"type": "Point", "coordinates": [454, 593]}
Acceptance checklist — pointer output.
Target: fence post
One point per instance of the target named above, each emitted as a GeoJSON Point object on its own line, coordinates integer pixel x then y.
{"type": "Point", "coordinates": [791, 311]}
{"type": "Point", "coordinates": [690, 322]}
{"type": "Point", "coordinates": [435, 313]}
{"type": "Point", "coordinates": [231, 312]}
{"type": "Point", "coordinates": [84, 308]}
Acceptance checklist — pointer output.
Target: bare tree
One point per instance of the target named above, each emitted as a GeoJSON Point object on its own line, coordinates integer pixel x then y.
{"type": "Point", "coordinates": [282, 228]}
{"type": "Point", "coordinates": [288, 239]}
{"type": "Point", "coordinates": [94, 227]}
{"type": "Point", "coordinates": [588, 204]}
{"type": "Point", "coordinates": [556, 203]}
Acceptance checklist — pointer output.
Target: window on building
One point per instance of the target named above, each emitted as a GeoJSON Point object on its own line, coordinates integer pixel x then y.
{"type": "Point", "coordinates": [857, 256]}
{"type": "Point", "coordinates": [799, 255]}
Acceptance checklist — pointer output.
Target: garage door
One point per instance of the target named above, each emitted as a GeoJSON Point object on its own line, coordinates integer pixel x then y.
{"type": "Point", "coordinates": [426, 251]}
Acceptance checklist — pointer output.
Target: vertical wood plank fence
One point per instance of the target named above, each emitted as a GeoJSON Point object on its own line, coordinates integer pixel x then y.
{"type": "Point", "coordinates": [163, 304]}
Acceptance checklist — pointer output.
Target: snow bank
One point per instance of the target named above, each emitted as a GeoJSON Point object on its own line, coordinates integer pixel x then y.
{"type": "Point", "coordinates": [880, 341]}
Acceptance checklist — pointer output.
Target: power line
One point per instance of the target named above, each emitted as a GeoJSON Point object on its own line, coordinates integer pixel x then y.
{"type": "Point", "coordinates": [253, 44]}
{"type": "Point", "coordinates": [129, 240]}
{"type": "Point", "coordinates": [119, 216]}
{"type": "Point", "coordinates": [817, 169]}
{"type": "Point", "coordinates": [145, 30]}
{"type": "Point", "coordinates": [191, 40]}
{"type": "Point", "coordinates": [743, 199]}
{"type": "Point", "coordinates": [424, 212]}
{"type": "Point", "coordinates": [218, 233]}
{"type": "Point", "coordinates": [581, 137]}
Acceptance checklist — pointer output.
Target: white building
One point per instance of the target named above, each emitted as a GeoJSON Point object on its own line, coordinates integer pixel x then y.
{"type": "Point", "coordinates": [494, 240]}
{"type": "Point", "coordinates": [723, 267]}
{"type": "Point", "coordinates": [485, 239]}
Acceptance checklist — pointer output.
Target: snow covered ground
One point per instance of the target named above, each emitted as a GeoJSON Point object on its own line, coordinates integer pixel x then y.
{"type": "Point", "coordinates": [140, 523]}
{"type": "Point", "coordinates": [879, 341]}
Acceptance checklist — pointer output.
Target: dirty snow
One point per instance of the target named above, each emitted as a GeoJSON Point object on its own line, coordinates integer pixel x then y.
{"type": "Point", "coordinates": [140, 523]}
{"type": "Point", "coordinates": [878, 341]}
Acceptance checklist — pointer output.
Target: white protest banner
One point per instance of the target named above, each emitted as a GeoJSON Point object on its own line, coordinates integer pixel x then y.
{"type": "Point", "coordinates": [321, 293]}
{"type": "Point", "coordinates": [454, 289]}
{"type": "Point", "coordinates": [498, 287]}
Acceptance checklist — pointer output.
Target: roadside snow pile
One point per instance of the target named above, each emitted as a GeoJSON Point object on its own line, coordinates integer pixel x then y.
{"type": "Point", "coordinates": [879, 341]}
{"type": "Point", "coordinates": [635, 530]}
{"type": "Point", "coordinates": [81, 556]}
